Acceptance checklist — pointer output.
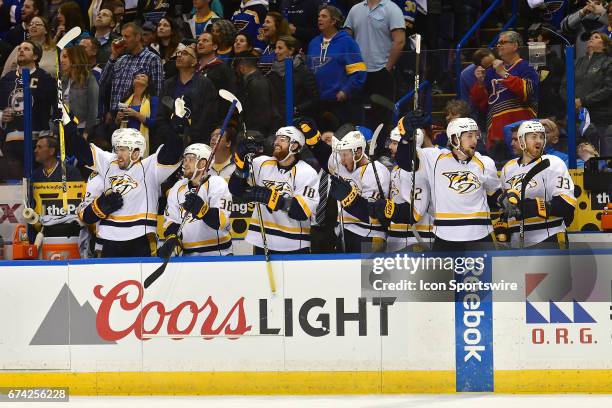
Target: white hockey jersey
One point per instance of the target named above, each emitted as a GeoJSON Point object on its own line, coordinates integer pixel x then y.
{"type": "Point", "coordinates": [552, 181]}
{"type": "Point", "coordinates": [459, 192]}
{"type": "Point", "coordinates": [140, 187]}
{"type": "Point", "coordinates": [224, 170]}
{"type": "Point", "coordinates": [94, 189]}
{"type": "Point", "coordinates": [364, 180]}
{"type": "Point", "coordinates": [401, 235]}
{"type": "Point", "coordinates": [301, 182]}
{"type": "Point", "coordinates": [197, 237]}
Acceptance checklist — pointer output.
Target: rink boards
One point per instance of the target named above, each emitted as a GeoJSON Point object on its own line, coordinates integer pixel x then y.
{"type": "Point", "coordinates": [211, 326]}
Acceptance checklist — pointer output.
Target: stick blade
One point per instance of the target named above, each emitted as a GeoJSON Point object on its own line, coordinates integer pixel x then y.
{"type": "Point", "coordinates": [230, 97]}
{"type": "Point", "coordinates": [382, 101]}
{"type": "Point", "coordinates": [156, 274]}
{"type": "Point", "coordinates": [374, 139]}
{"type": "Point", "coordinates": [68, 37]}
{"type": "Point", "coordinates": [416, 41]}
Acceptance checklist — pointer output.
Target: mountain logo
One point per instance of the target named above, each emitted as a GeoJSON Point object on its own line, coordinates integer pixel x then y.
{"type": "Point", "coordinates": [68, 323]}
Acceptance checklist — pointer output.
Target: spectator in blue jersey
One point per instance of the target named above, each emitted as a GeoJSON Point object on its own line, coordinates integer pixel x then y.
{"type": "Point", "coordinates": [45, 154]}
{"type": "Point", "coordinates": [249, 18]}
{"type": "Point", "coordinates": [224, 34]}
{"type": "Point", "coordinates": [104, 25]}
{"type": "Point", "coordinates": [29, 10]}
{"type": "Point", "coordinates": [305, 93]}
{"type": "Point", "coordinates": [129, 57]}
{"type": "Point", "coordinates": [340, 72]}
{"type": "Point", "coordinates": [273, 27]}
{"type": "Point", "coordinates": [591, 17]}
{"type": "Point", "coordinates": [302, 16]}
{"type": "Point", "coordinates": [202, 18]}
{"type": "Point", "coordinates": [139, 109]}
{"type": "Point", "coordinates": [379, 28]}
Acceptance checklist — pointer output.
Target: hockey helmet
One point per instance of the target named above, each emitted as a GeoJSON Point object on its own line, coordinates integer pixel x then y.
{"type": "Point", "coordinates": [457, 127]}
{"type": "Point", "coordinates": [396, 136]}
{"type": "Point", "coordinates": [293, 133]}
{"type": "Point", "coordinates": [130, 138]}
{"type": "Point", "coordinates": [199, 150]}
{"type": "Point", "coordinates": [530, 126]}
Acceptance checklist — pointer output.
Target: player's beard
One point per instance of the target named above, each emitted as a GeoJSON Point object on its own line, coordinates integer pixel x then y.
{"type": "Point", "coordinates": [535, 152]}
{"type": "Point", "coordinates": [280, 154]}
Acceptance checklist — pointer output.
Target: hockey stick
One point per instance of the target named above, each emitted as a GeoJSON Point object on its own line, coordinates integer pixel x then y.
{"type": "Point", "coordinates": [542, 165]}
{"type": "Point", "coordinates": [383, 101]}
{"type": "Point", "coordinates": [162, 268]}
{"type": "Point", "coordinates": [371, 153]}
{"type": "Point", "coordinates": [417, 48]}
{"type": "Point", "coordinates": [61, 44]}
{"type": "Point", "coordinates": [340, 208]}
{"type": "Point", "coordinates": [230, 97]}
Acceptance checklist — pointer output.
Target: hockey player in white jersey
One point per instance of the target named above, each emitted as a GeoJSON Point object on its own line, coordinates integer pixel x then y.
{"type": "Point", "coordinates": [395, 210]}
{"type": "Point", "coordinates": [463, 184]}
{"type": "Point", "coordinates": [127, 210]}
{"type": "Point", "coordinates": [355, 184]}
{"type": "Point", "coordinates": [93, 191]}
{"type": "Point", "coordinates": [287, 187]}
{"type": "Point", "coordinates": [207, 229]}
{"type": "Point", "coordinates": [549, 203]}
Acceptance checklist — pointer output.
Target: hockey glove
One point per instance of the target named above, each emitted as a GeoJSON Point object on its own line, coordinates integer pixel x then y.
{"type": "Point", "coordinates": [410, 123]}
{"type": "Point", "coordinates": [309, 128]}
{"type": "Point", "coordinates": [107, 204]}
{"type": "Point", "coordinates": [244, 148]}
{"type": "Point", "coordinates": [341, 190]}
{"type": "Point", "coordinates": [500, 229]}
{"type": "Point", "coordinates": [166, 250]}
{"type": "Point", "coordinates": [508, 201]}
{"type": "Point", "coordinates": [383, 210]}
{"type": "Point", "coordinates": [533, 207]}
{"type": "Point", "coordinates": [195, 205]}
{"type": "Point", "coordinates": [270, 197]}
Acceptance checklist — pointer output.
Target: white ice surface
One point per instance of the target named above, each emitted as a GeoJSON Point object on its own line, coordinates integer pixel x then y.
{"type": "Point", "coordinates": [341, 401]}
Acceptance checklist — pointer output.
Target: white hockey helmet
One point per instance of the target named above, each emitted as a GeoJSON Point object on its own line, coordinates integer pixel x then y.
{"type": "Point", "coordinates": [130, 138]}
{"type": "Point", "coordinates": [199, 150]}
{"type": "Point", "coordinates": [457, 127]}
{"type": "Point", "coordinates": [529, 126]}
{"type": "Point", "coordinates": [293, 133]}
{"type": "Point", "coordinates": [352, 141]}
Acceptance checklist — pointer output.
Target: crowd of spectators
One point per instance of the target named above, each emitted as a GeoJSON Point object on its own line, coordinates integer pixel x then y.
{"type": "Point", "coordinates": [131, 56]}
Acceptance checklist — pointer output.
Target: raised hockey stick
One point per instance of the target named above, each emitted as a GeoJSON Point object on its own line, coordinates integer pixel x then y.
{"type": "Point", "coordinates": [61, 44]}
{"type": "Point", "coordinates": [417, 48]}
{"type": "Point", "coordinates": [230, 97]}
{"type": "Point", "coordinates": [542, 165]}
{"type": "Point", "coordinates": [162, 268]}
{"type": "Point", "coordinates": [340, 208]}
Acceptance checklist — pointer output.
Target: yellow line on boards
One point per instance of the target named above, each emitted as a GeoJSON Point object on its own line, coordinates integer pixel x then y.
{"type": "Point", "coordinates": [305, 382]}
{"type": "Point", "coordinates": [553, 381]}
{"type": "Point", "coordinates": [244, 383]}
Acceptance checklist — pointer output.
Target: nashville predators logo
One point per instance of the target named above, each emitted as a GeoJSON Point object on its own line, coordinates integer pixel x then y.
{"type": "Point", "coordinates": [122, 184]}
{"type": "Point", "coordinates": [283, 187]}
{"type": "Point", "coordinates": [516, 182]}
{"type": "Point", "coordinates": [463, 182]}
